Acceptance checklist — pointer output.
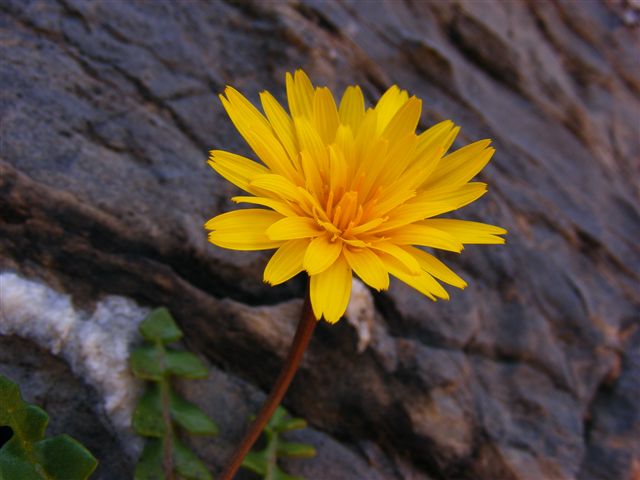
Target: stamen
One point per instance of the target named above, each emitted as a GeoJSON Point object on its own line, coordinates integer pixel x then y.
{"type": "Point", "coordinates": [337, 215]}
{"type": "Point", "coordinates": [359, 181]}
{"type": "Point", "coordinates": [359, 215]}
{"type": "Point", "coordinates": [349, 204]}
{"type": "Point", "coordinates": [330, 227]}
{"type": "Point", "coordinates": [330, 203]}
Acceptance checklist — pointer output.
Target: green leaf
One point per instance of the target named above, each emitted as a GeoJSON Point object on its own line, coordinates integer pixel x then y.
{"type": "Point", "coordinates": [264, 462]}
{"type": "Point", "coordinates": [188, 464]}
{"type": "Point", "coordinates": [147, 417]}
{"type": "Point", "coordinates": [160, 326]}
{"type": "Point", "coordinates": [158, 363]}
{"type": "Point", "coordinates": [291, 424]}
{"type": "Point", "coordinates": [30, 421]}
{"type": "Point", "coordinates": [16, 466]}
{"type": "Point", "coordinates": [295, 450]}
{"type": "Point", "coordinates": [256, 462]}
{"type": "Point", "coordinates": [28, 455]}
{"type": "Point", "coordinates": [150, 464]}
{"type": "Point", "coordinates": [185, 364]}
{"type": "Point", "coordinates": [34, 422]}
{"type": "Point", "coordinates": [64, 458]}
{"type": "Point", "coordinates": [9, 398]}
{"type": "Point", "coordinates": [191, 418]}
{"type": "Point", "coordinates": [148, 362]}
{"type": "Point", "coordinates": [279, 417]}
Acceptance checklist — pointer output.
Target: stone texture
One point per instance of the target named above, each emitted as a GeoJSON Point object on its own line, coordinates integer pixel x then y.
{"type": "Point", "coordinates": [107, 111]}
{"type": "Point", "coordinates": [73, 407]}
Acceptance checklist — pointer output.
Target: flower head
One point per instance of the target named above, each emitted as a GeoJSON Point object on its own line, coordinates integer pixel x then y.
{"type": "Point", "coordinates": [346, 188]}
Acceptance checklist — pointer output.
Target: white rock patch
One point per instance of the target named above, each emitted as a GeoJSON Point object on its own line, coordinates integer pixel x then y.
{"type": "Point", "coordinates": [360, 313]}
{"type": "Point", "coordinates": [95, 344]}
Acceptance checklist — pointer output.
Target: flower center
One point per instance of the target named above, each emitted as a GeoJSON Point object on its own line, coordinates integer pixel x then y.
{"type": "Point", "coordinates": [346, 212]}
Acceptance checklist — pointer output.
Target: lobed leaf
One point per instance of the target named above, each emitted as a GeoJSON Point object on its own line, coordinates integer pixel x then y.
{"type": "Point", "coordinates": [295, 450]}
{"type": "Point", "coordinates": [147, 417]}
{"type": "Point", "coordinates": [148, 362]}
{"type": "Point", "coordinates": [185, 364]}
{"type": "Point", "coordinates": [157, 363]}
{"type": "Point", "coordinates": [264, 462]}
{"type": "Point", "coordinates": [256, 462]}
{"type": "Point", "coordinates": [291, 424]}
{"type": "Point", "coordinates": [28, 454]}
{"type": "Point", "coordinates": [63, 458]}
{"type": "Point", "coordinates": [160, 326]}
{"type": "Point", "coordinates": [188, 465]}
{"type": "Point", "coordinates": [190, 417]}
{"type": "Point", "coordinates": [16, 465]}
{"type": "Point", "coordinates": [150, 463]}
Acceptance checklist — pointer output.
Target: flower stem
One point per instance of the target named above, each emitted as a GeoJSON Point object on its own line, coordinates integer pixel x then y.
{"type": "Point", "coordinates": [298, 346]}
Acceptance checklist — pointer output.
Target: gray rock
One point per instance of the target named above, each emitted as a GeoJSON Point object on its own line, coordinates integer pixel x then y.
{"type": "Point", "coordinates": [108, 110]}
{"type": "Point", "coordinates": [74, 407]}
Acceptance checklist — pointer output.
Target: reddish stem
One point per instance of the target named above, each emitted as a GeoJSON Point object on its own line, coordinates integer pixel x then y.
{"type": "Point", "coordinates": [298, 346]}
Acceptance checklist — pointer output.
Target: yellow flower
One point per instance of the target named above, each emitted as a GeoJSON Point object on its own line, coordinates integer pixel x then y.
{"type": "Point", "coordinates": [349, 189]}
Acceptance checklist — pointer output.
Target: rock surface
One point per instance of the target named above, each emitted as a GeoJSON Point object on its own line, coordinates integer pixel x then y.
{"type": "Point", "coordinates": [107, 110]}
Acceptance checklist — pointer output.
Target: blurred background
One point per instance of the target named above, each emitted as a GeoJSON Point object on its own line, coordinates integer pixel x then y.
{"type": "Point", "coordinates": [108, 110]}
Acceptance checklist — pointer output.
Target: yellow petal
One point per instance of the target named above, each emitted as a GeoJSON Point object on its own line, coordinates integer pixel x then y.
{"type": "Point", "coordinates": [465, 231]}
{"type": "Point", "coordinates": [290, 228]}
{"type": "Point", "coordinates": [321, 254]}
{"type": "Point", "coordinates": [271, 152]}
{"type": "Point", "coordinates": [235, 168]}
{"type": "Point", "coordinates": [394, 161]}
{"type": "Point", "coordinates": [299, 94]}
{"type": "Point", "coordinates": [325, 114]}
{"type": "Point", "coordinates": [390, 102]}
{"type": "Point", "coordinates": [311, 142]}
{"type": "Point", "coordinates": [364, 136]}
{"type": "Point", "coordinates": [243, 229]}
{"type": "Point", "coordinates": [276, 186]}
{"type": "Point", "coordinates": [312, 176]}
{"type": "Point", "coordinates": [461, 166]}
{"type": "Point", "coordinates": [372, 167]}
{"type": "Point", "coordinates": [406, 261]}
{"type": "Point", "coordinates": [352, 107]}
{"type": "Point", "coordinates": [405, 120]}
{"type": "Point", "coordinates": [449, 139]}
{"type": "Point", "coordinates": [242, 111]}
{"type": "Point", "coordinates": [435, 136]}
{"type": "Point", "coordinates": [455, 194]}
{"type": "Point", "coordinates": [424, 235]}
{"type": "Point", "coordinates": [286, 262]}
{"type": "Point", "coordinates": [330, 291]}
{"type": "Point", "coordinates": [419, 170]}
{"type": "Point", "coordinates": [365, 227]}
{"type": "Point", "coordinates": [257, 131]}
{"type": "Point", "coordinates": [345, 142]}
{"type": "Point", "coordinates": [429, 204]}
{"type": "Point", "coordinates": [338, 170]}
{"type": "Point", "coordinates": [279, 206]}
{"type": "Point", "coordinates": [423, 282]}
{"type": "Point", "coordinates": [368, 266]}
{"type": "Point", "coordinates": [431, 145]}
{"type": "Point", "coordinates": [281, 123]}
{"type": "Point", "coordinates": [390, 199]}
{"type": "Point", "coordinates": [435, 267]}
